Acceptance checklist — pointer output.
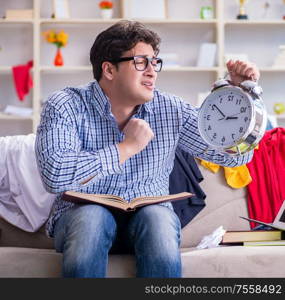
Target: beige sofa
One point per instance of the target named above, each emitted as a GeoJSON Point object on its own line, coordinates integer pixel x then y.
{"type": "Point", "coordinates": [25, 254]}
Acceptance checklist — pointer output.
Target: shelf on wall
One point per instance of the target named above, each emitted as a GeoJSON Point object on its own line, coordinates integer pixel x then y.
{"type": "Point", "coordinates": [114, 20]}
{"type": "Point", "coordinates": [189, 69]}
{"type": "Point", "coordinates": [282, 117]}
{"type": "Point", "coordinates": [67, 69]}
{"type": "Point", "coordinates": [272, 69]}
{"type": "Point", "coordinates": [254, 22]}
{"type": "Point", "coordinates": [78, 21]}
{"type": "Point", "coordinates": [16, 21]}
{"type": "Point", "coordinates": [5, 70]}
{"type": "Point", "coordinates": [182, 29]}
{"type": "Point", "coordinates": [8, 70]}
{"type": "Point", "coordinates": [266, 69]}
{"type": "Point", "coordinates": [4, 116]}
{"type": "Point", "coordinates": [177, 21]}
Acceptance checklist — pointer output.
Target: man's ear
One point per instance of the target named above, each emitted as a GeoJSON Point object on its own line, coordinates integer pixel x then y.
{"type": "Point", "coordinates": [108, 70]}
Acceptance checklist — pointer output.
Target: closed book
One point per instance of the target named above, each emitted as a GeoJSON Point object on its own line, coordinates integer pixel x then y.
{"type": "Point", "coordinates": [265, 243]}
{"type": "Point", "coordinates": [252, 235]}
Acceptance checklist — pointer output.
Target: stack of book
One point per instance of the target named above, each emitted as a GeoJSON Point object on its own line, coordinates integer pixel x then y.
{"type": "Point", "coordinates": [254, 238]}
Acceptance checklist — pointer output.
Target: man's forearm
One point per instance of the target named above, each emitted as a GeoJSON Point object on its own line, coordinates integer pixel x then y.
{"type": "Point", "coordinates": [125, 152]}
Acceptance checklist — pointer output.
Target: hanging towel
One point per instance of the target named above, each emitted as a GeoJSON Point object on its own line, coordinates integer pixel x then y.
{"type": "Point", "coordinates": [22, 79]}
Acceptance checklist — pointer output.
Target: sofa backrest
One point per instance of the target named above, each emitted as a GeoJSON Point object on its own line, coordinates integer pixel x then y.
{"type": "Point", "coordinates": [12, 236]}
{"type": "Point", "coordinates": [223, 207]}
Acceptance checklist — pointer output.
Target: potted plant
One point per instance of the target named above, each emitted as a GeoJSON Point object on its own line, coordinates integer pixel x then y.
{"type": "Point", "coordinates": [106, 9]}
{"type": "Point", "coordinates": [60, 40]}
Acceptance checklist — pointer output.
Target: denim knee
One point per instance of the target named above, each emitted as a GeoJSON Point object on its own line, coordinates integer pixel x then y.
{"type": "Point", "coordinates": [158, 225]}
{"type": "Point", "coordinates": [85, 223]}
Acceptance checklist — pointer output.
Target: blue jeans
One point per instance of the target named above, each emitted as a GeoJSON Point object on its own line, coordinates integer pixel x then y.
{"type": "Point", "coordinates": [86, 234]}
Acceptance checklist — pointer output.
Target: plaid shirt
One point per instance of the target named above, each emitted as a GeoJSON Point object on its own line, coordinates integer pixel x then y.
{"type": "Point", "coordinates": [77, 139]}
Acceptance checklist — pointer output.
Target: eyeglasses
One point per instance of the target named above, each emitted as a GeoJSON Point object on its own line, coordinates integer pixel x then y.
{"type": "Point", "coordinates": [142, 61]}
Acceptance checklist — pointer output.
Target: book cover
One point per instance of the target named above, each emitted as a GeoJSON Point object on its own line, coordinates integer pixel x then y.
{"type": "Point", "coordinates": [265, 243]}
{"type": "Point", "coordinates": [252, 235]}
{"type": "Point", "coordinates": [120, 203]}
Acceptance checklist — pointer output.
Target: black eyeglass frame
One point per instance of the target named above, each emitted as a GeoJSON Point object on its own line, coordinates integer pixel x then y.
{"type": "Point", "coordinates": [149, 60]}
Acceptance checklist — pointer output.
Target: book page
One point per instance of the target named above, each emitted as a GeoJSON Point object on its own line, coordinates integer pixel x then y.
{"type": "Point", "coordinates": [157, 199]}
{"type": "Point", "coordinates": [94, 197]}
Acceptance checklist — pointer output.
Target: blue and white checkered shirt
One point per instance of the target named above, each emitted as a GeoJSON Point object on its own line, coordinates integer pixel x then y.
{"type": "Point", "coordinates": [77, 139]}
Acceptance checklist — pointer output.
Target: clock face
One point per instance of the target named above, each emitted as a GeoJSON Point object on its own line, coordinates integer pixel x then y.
{"type": "Point", "coordinates": [225, 117]}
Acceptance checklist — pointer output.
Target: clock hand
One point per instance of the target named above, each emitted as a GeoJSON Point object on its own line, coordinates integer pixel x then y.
{"type": "Point", "coordinates": [235, 114]}
{"type": "Point", "coordinates": [231, 118]}
{"type": "Point", "coordinates": [219, 110]}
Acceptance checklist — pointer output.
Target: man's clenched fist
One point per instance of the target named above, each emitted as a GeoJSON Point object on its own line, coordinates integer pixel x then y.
{"type": "Point", "coordinates": [137, 136]}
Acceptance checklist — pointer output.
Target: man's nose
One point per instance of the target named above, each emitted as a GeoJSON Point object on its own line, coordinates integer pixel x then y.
{"type": "Point", "coordinates": [150, 70]}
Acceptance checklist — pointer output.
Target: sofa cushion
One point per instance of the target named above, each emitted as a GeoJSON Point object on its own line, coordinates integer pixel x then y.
{"type": "Point", "coordinates": [29, 262]}
{"type": "Point", "coordinates": [220, 262]}
{"type": "Point", "coordinates": [235, 261]}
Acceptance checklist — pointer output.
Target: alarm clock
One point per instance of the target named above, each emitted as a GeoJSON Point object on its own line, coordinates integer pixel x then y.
{"type": "Point", "coordinates": [232, 119]}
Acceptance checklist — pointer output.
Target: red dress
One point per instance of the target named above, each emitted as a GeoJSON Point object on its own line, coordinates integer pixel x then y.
{"type": "Point", "coordinates": [266, 192]}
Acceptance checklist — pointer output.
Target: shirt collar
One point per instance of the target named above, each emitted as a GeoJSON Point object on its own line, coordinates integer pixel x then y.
{"type": "Point", "coordinates": [104, 103]}
{"type": "Point", "coordinates": [104, 106]}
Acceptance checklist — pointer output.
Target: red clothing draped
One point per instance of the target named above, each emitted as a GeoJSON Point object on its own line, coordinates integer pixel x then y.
{"type": "Point", "coordinates": [266, 192]}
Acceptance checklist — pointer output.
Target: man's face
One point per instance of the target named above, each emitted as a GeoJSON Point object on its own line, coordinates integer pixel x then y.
{"type": "Point", "coordinates": [135, 87]}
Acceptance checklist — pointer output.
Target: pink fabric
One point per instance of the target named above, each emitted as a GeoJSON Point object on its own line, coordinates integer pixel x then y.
{"type": "Point", "coordinates": [22, 79]}
{"type": "Point", "coordinates": [266, 192]}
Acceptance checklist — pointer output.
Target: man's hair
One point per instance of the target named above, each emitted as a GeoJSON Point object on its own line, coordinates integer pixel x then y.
{"type": "Point", "coordinates": [111, 43]}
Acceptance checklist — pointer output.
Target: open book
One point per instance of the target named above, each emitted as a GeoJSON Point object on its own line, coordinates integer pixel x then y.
{"type": "Point", "coordinates": [118, 202]}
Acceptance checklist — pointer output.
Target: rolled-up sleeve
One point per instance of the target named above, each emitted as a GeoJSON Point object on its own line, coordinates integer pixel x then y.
{"type": "Point", "coordinates": [191, 141]}
{"type": "Point", "coordinates": [62, 163]}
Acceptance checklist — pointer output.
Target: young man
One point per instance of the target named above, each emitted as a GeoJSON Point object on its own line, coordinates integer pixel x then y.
{"type": "Point", "coordinates": [118, 135]}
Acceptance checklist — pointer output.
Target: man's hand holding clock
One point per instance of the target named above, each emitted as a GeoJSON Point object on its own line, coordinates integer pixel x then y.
{"type": "Point", "coordinates": [240, 71]}
{"type": "Point", "coordinates": [232, 119]}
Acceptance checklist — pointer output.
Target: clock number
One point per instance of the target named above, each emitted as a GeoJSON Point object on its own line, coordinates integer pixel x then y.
{"type": "Point", "coordinates": [246, 119]}
{"type": "Point", "coordinates": [209, 127]}
{"type": "Point", "coordinates": [214, 135]}
{"type": "Point", "coordinates": [208, 117]}
{"type": "Point", "coordinates": [233, 136]}
{"type": "Point", "coordinates": [238, 101]}
{"type": "Point", "coordinates": [243, 109]}
{"type": "Point", "coordinates": [221, 100]}
{"type": "Point", "coordinates": [240, 129]}
{"type": "Point", "coordinates": [230, 98]}
{"type": "Point", "coordinates": [223, 139]}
